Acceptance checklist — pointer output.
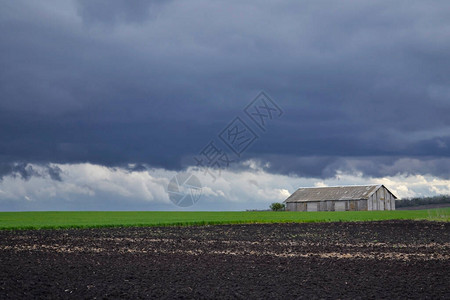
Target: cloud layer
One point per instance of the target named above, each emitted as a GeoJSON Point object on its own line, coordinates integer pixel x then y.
{"type": "Point", "coordinates": [363, 86]}
{"type": "Point", "coordinates": [95, 187]}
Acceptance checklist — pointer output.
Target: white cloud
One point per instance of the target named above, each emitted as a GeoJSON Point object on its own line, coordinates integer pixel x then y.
{"type": "Point", "coordinates": [89, 186]}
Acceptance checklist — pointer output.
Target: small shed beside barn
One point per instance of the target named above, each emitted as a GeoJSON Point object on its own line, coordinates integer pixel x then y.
{"type": "Point", "coordinates": [341, 198]}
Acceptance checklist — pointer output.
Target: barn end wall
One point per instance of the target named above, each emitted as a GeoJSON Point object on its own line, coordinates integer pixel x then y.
{"type": "Point", "coordinates": [382, 199]}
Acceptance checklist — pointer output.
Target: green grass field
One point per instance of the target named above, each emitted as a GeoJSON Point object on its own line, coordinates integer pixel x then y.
{"type": "Point", "coordinates": [86, 219]}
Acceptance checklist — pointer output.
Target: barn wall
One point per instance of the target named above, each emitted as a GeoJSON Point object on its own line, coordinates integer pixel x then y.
{"type": "Point", "coordinates": [330, 205]}
{"type": "Point", "coordinates": [392, 202]}
{"type": "Point", "coordinates": [339, 205]}
{"type": "Point", "coordinates": [300, 206]}
{"type": "Point", "coordinates": [290, 206]}
{"type": "Point", "coordinates": [382, 199]}
{"type": "Point", "coordinates": [356, 205]}
{"type": "Point", "coordinates": [312, 206]}
{"type": "Point", "coordinates": [296, 206]}
{"type": "Point", "coordinates": [363, 205]}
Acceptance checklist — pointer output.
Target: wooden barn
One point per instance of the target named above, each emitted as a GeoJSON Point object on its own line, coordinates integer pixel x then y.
{"type": "Point", "coordinates": [341, 198]}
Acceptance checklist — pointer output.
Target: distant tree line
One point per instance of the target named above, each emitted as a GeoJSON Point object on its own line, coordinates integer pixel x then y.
{"type": "Point", "coordinates": [416, 201]}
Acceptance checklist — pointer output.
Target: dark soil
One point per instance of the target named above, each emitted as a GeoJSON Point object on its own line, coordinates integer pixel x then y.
{"type": "Point", "coordinates": [394, 259]}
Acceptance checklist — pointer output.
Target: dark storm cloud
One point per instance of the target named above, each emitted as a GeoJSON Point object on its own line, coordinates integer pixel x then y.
{"type": "Point", "coordinates": [114, 11]}
{"type": "Point", "coordinates": [26, 171]}
{"type": "Point", "coordinates": [369, 166]}
{"type": "Point", "coordinates": [152, 82]}
{"type": "Point", "coordinates": [21, 170]}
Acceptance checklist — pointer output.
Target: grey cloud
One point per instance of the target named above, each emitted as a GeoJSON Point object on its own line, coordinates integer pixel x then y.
{"type": "Point", "coordinates": [54, 172]}
{"type": "Point", "coordinates": [26, 171]}
{"type": "Point", "coordinates": [367, 166]}
{"type": "Point", "coordinates": [22, 170]}
{"type": "Point", "coordinates": [356, 81]}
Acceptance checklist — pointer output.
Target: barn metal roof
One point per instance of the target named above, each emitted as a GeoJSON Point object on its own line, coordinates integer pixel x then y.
{"type": "Point", "coordinates": [355, 192]}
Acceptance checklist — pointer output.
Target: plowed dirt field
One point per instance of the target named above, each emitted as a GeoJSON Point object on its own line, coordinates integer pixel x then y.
{"type": "Point", "coordinates": [388, 259]}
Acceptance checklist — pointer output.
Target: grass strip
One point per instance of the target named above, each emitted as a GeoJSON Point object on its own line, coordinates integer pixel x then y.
{"type": "Point", "coordinates": [98, 219]}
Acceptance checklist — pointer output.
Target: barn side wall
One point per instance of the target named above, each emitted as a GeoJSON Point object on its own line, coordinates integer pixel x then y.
{"type": "Point", "coordinates": [295, 206]}
{"type": "Point", "coordinates": [328, 205]}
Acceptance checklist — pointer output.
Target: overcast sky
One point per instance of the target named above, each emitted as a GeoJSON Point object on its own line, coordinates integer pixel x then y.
{"type": "Point", "coordinates": [103, 102]}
